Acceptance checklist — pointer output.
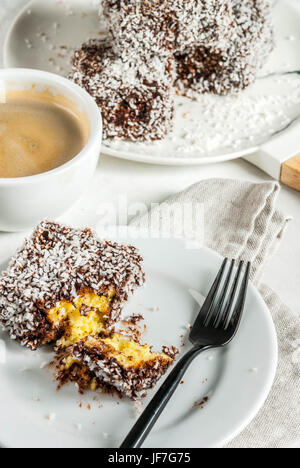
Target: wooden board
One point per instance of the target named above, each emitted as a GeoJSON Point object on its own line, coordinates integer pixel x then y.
{"type": "Point", "coordinates": [290, 172]}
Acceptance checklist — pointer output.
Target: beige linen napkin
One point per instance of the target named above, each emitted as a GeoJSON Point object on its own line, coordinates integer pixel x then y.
{"type": "Point", "coordinates": [240, 220]}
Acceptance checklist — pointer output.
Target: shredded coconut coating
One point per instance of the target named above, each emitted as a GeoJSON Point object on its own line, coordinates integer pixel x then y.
{"type": "Point", "coordinates": [232, 68]}
{"type": "Point", "coordinates": [154, 47]}
{"type": "Point", "coordinates": [202, 22]}
{"type": "Point", "coordinates": [129, 381]}
{"type": "Point", "coordinates": [139, 28]}
{"type": "Point", "coordinates": [136, 98]}
{"type": "Point", "coordinates": [162, 26]}
{"type": "Point", "coordinates": [53, 265]}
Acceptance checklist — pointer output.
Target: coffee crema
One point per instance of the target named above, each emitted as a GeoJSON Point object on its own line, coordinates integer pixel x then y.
{"type": "Point", "coordinates": [39, 132]}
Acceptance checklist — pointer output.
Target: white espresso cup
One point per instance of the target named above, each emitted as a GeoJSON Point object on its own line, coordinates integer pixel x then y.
{"type": "Point", "coordinates": [25, 201]}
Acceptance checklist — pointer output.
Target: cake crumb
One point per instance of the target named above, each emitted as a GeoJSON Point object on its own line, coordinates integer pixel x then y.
{"type": "Point", "coordinates": [51, 416]}
{"type": "Point", "coordinates": [200, 404]}
{"type": "Point", "coordinates": [138, 407]}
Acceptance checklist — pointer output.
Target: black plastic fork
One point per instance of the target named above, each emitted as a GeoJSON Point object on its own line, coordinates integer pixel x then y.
{"type": "Point", "coordinates": [216, 326]}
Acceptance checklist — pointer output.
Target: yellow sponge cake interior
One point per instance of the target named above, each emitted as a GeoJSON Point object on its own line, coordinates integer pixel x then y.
{"type": "Point", "coordinates": [113, 363]}
{"type": "Point", "coordinates": [85, 316]}
{"type": "Point", "coordinates": [126, 352]}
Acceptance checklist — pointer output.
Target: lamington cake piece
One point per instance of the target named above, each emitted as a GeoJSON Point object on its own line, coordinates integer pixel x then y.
{"type": "Point", "coordinates": [160, 26]}
{"type": "Point", "coordinates": [141, 28]}
{"type": "Point", "coordinates": [223, 70]}
{"type": "Point", "coordinates": [136, 98]}
{"type": "Point", "coordinates": [113, 362]}
{"type": "Point", "coordinates": [202, 22]}
{"type": "Point", "coordinates": [64, 284]}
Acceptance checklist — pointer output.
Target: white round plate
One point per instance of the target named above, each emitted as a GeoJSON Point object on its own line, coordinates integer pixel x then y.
{"type": "Point", "coordinates": [236, 380]}
{"type": "Point", "coordinates": [214, 129]}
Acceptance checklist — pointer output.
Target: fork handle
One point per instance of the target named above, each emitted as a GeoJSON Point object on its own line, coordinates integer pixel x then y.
{"type": "Point", "coordinates": [146, 421]}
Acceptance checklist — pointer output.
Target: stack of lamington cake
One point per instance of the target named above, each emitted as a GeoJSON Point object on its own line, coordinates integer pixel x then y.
{"type": "Point", "coordinates": [155, 48]}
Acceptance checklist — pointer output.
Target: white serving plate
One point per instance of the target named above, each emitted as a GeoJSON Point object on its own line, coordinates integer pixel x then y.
{"type": "Point", "coordinates": [212, 130]}
{"type": "Point", "coordinates": [237, 380]}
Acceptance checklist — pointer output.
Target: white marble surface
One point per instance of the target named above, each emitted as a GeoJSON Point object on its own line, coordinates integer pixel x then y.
{"type": "Point", "coordinates": [150, 183]}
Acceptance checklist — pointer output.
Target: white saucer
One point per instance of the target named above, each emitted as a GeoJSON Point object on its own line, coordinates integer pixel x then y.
{"type": "Point", "coordinates": [236, 380]}
{"type": "Point", "coordinates": [212, 130]}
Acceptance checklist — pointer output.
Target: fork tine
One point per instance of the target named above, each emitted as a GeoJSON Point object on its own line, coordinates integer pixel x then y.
{"type": "Point", "coordinates": [239, 307]}
{"type": "Point", "coordinates": [218, 307]}
{"type": "Point", "coordinates": [226, 314]}
{"type": "Point", "coordinates": [204, 311]}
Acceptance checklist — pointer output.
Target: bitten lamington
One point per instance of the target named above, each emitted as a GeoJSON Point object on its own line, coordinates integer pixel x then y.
{"type": "Point", "coordinates": [64, 284]}
{"type": "Point", "coordinates": [114, 362]}
{"type": "Point", "coordinates": [136, 99]}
